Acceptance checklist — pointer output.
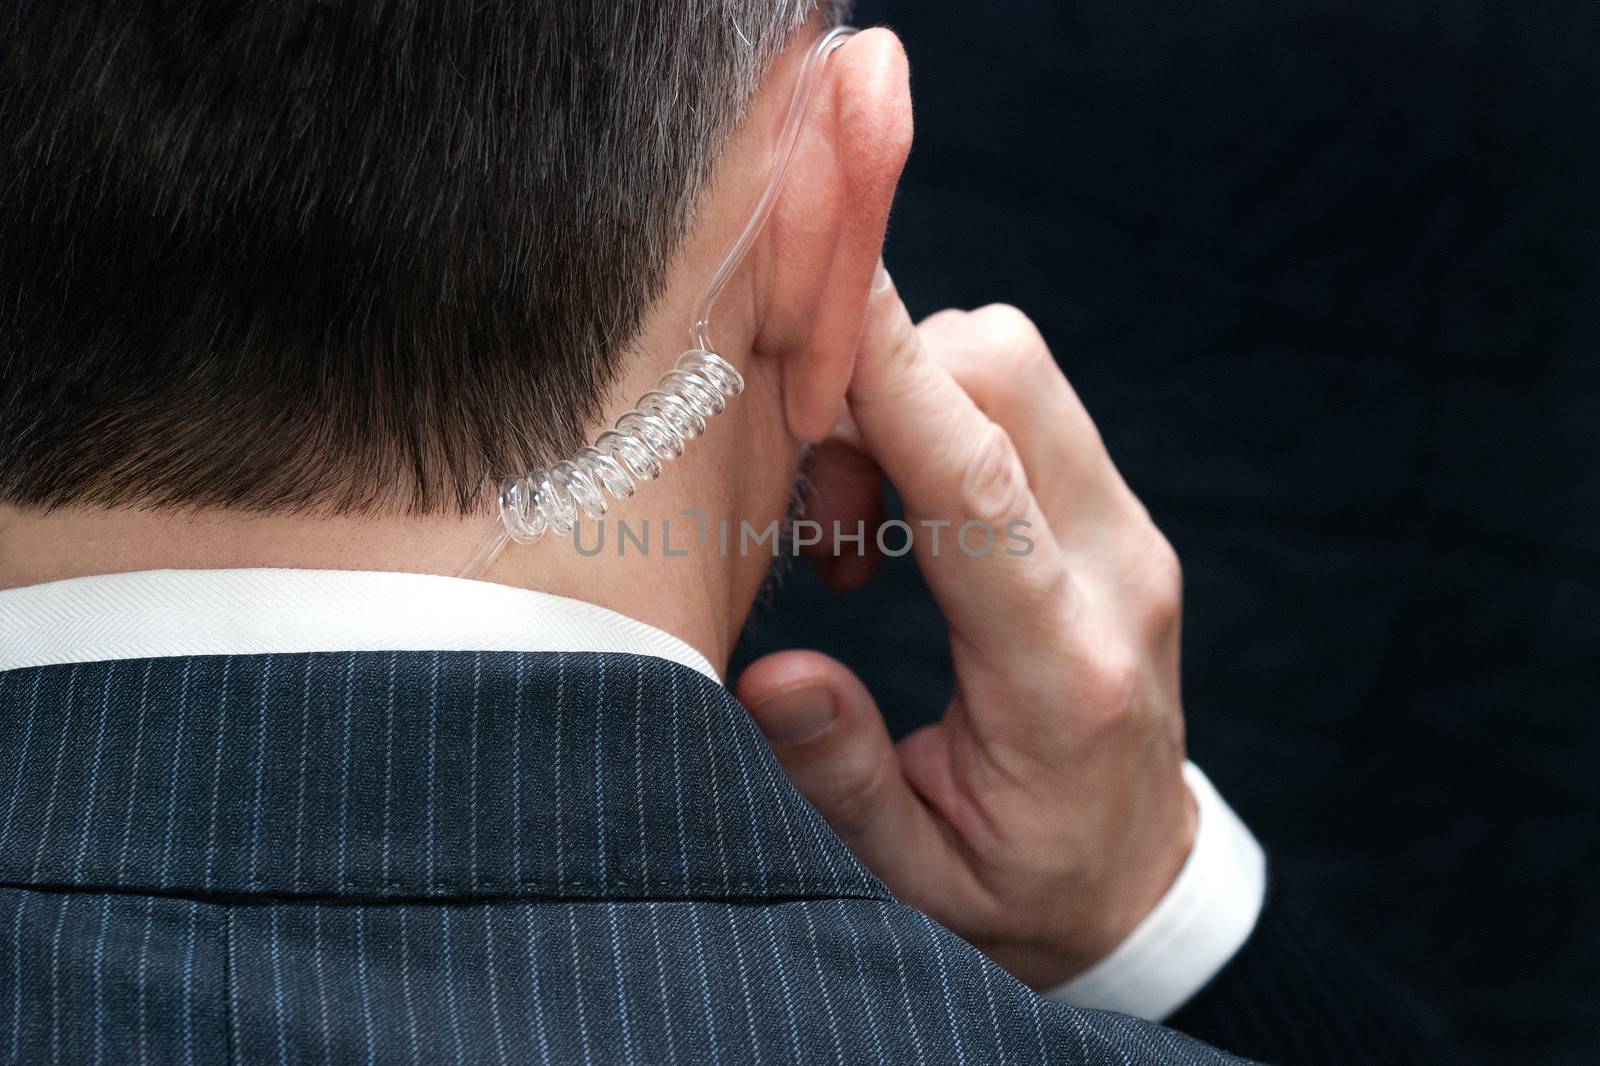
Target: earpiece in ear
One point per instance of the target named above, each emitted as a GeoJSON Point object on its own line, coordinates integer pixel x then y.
{"type": "Point", "coordinates": [676, 409]}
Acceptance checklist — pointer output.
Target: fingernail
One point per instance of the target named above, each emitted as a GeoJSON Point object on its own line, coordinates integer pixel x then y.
{"type": "Point", "coordinates": [796, 717]}
{"type": "Point", "coordinates": [880, 279]}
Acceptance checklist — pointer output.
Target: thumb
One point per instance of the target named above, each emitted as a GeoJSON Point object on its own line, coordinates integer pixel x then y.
{"type": "Point", "coordinates": [827, 733]}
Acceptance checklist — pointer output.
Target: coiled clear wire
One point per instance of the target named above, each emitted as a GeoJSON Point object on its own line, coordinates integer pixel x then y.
{"type": "Point", "coordinates": [675, 411]}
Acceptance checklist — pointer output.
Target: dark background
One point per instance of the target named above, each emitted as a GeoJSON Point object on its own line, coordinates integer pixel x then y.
{"type": "Point", "coordinates": [1327, 274]}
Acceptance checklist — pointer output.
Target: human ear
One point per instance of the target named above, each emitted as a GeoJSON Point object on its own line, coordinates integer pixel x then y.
{"type": "Point", "coordinates": [825, 237]}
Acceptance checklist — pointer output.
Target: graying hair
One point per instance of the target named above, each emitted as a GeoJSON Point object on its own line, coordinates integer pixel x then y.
{"type": "Point", "coordinates": [342, 256]}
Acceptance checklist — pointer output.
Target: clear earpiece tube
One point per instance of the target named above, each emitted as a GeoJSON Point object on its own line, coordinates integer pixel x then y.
{"type": "Point", "coordinates": [675, 411]}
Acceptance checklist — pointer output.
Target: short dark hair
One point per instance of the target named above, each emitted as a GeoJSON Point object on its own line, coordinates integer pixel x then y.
{"type": "Point", "coordinates": [340, 256]}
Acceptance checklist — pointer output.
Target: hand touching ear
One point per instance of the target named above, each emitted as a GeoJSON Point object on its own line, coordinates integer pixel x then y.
{"type": "Point", "coordinates": [1046, 813]}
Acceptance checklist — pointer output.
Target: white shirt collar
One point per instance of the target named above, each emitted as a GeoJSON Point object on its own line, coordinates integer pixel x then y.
{"type": "Point", "coordinates": [161, 613]}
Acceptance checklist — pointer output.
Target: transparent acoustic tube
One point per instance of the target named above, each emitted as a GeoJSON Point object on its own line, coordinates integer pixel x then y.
{"type": "Point", "coordinates": [698, 387]}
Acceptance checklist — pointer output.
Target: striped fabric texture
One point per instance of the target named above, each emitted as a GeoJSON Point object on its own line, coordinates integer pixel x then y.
{"type": "Point", "coordinates": [458, 857]}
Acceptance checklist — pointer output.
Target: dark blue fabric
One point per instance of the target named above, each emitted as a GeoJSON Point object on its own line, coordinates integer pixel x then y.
{"type": "Point", "coordinates": [459, 858]}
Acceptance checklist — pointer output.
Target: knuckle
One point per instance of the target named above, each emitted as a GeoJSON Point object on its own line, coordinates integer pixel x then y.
{"type": "Point", "coordinates": [1005, 325]}
{"type": "Point", "coordinates": [1163, 583]}
{"type": "Point", "coordinates": [1115, 682]}
{"type": "Point", "coordinates": [994, 485]}
{"type": "Point", "coordinates": [1013, 355]}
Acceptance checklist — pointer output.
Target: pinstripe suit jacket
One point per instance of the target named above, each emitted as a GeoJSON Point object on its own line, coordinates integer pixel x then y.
{"type": "Point", "coordinates": [458, 858]}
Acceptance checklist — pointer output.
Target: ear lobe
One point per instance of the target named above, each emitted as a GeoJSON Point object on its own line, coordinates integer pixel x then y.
{"type": "Point", "coordinates": [863, 121]}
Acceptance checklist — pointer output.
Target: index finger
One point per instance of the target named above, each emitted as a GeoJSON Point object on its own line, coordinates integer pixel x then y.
{"type": "Point", "coordinates": [920, 425]}
{"type": "Point", "coordinates": [952, 464]}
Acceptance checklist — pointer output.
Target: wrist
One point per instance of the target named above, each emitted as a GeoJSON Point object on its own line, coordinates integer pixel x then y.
{"type": "Point", "coordinates": [1151, 872]}
{"type": "Point", "coordinates": [1203, 920]}
{"type": "Point", "coordinates": [1151, 865]}
{"type": "Point", "coordinates": [1087, 921]}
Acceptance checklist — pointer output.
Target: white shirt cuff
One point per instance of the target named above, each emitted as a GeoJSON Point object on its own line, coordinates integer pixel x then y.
{"type": "Point", "coordinates": [1202, 921]}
